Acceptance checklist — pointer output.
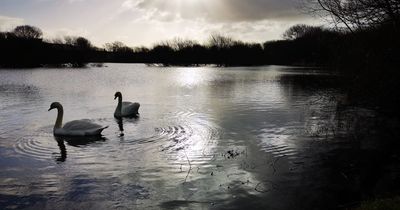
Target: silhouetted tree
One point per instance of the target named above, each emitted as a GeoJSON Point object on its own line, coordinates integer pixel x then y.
{"type": "Point", "coordinates": [300, 30]}
{"type": "Point", "coordinates": [218, 41]}
{"type": "Point", "coordinates": [27, 32]}
{"type": "Point", "coordinates": [3, 35]}
{"type": "Point", "coordinates": [180, 44]}
{"type": "Point", "coordinates": [141, 49]}
{"type": "Point", "coordinates": [357, 14]}
{"type": "Point", "coordinates": [69, 40]}
{"type": "Point", "coordinates": [83, 43]}
{"type": "Point", "coordinates": [80, 42]}
{"type": "Point", "coordinates": [176, 44]}
{"type": "Point", "coordinates": [117, 46]}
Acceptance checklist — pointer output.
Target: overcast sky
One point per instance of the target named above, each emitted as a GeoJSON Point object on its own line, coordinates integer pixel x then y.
{"type": "Point", "coordinates": [145, 22]}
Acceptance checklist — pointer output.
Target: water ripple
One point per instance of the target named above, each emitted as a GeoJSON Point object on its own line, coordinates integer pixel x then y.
{"type": "Point", "coordinates": [39, 148]}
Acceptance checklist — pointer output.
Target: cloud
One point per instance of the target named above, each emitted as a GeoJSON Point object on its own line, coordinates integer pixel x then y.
{"type": "Point", "coordinates": [143, 22]}
{"type": "Point", "coordinates": [8, 23]}
{"type": "Point", "coordinates": [251, 20]}
{"type": "Point", "coordinates": [138, 13]}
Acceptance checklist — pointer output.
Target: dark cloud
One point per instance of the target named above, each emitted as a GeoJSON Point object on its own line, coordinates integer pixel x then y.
{"type": "Point", "coordinates": [226, 10]}
{"type": "Point", "coordinates": [251, 10]}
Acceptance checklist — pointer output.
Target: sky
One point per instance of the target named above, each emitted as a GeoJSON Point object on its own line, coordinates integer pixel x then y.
{"type": "Point", "coordinates": [146, 22]}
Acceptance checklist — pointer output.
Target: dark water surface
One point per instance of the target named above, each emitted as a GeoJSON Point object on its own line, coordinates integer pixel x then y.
{"type": "Point", "coordinates": [207, 138]}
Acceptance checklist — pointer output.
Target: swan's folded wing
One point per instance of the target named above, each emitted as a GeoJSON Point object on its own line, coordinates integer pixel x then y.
{"type": "Point", "coordinates": [130, 108]}
{"type": "Point", "coordinates": [81, 125]}
{"type": "Point", "coordinates": [126, 103]}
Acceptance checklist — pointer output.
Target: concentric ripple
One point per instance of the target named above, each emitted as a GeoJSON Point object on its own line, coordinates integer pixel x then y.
{"type": "Point", "coordinates": [38, 148]}
{"type": "Point", "coordinates": [176, 136]}
{"type": "Point", "coordinates": [195, 131]}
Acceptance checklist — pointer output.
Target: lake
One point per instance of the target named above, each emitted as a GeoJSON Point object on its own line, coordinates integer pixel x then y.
{"type": "Point", "coordinates": [269, 137]}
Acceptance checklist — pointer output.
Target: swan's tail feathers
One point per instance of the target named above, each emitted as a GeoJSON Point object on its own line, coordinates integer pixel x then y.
{"type": "Point", "coordinates": [137, 106]}
{"type": "Point", "coordinates": [98, 131]}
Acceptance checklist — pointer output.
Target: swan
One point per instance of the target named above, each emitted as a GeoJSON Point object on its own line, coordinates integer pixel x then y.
{"type": "Point", "coordinates": [76, 127]}
{"type": "Point", "coordinates": [125, 109]}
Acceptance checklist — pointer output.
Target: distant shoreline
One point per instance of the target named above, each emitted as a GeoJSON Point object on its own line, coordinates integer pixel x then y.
{"type": "Point", "coordinates": [104, 65]}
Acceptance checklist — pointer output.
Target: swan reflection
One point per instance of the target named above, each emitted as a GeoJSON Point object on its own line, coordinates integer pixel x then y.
{"type": "Point", "coordinates": [63, 151]}
{"type": "Point", "coordinates": [120, 121]}
{"type": "Point", "coordinates": [75, 142]}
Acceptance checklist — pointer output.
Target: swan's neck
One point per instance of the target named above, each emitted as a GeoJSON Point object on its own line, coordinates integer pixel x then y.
{"type": "Point", "coordinates": [59, 117]}
{"type": "Point", "coordinates": [119, 106]}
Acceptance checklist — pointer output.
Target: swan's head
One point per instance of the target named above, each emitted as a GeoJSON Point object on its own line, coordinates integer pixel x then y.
{"type": "Point", "coordinates": [54, 105]}
{"type": "Point", "coordinates": [117, 95]}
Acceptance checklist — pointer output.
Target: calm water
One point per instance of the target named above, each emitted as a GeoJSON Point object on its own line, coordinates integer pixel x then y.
{"type": "Point", "coordinates": [207, 138]}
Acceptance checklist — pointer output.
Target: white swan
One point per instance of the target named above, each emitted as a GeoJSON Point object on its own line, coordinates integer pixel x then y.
{"type": "Point", "coordinates": [125, 109]}
{"type": "Point", "coordinates": [76, 127]}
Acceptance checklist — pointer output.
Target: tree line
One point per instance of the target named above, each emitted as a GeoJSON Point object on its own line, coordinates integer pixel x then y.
{"type": "Point", "coordinates": [360, 33]}
{"type": "Point", "coordinates": [300, 45]}
{"type": "Point", "coordinates": [24, 46]}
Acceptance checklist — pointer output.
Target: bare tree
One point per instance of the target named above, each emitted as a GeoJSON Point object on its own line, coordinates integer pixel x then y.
{"type": "Point", "coordinates": [83, 43]}
{"type": "Point", "coordinates": [117, 46]}
{"type": "Point", "coordinates": [357, 14]}
{"type": "Point", "coordinates": [300, 30]}
{"type": "Point", "coordinates": [69, 40]}
{"type": "Point", "coordinates": [80, 42]}
{"type": "Point", "coordinates": [180, 44]}
{"type": "Point", "coordinates": [220, 42]}
{"type": "Point", "coordinates": [3, 35]}
{"type": "Point", "coordinates": [27, 32]}
{"type": "Point", "coordinates": [141, 49]}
